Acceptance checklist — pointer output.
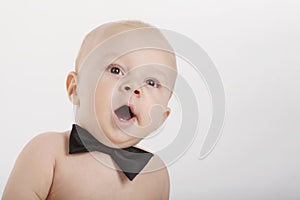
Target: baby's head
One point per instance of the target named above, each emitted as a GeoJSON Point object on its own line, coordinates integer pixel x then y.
{"type": "Point", "coordinates": [124, 77]}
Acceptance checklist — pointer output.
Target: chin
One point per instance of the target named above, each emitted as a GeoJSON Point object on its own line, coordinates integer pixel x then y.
{"type": "Point", "coordinates": [121, 139]}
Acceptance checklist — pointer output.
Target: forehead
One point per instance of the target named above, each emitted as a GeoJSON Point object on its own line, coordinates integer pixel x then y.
{"type": "Point", "coordinates": [108, 33]}
{"type": "Point", "coordinates": [150, 57]}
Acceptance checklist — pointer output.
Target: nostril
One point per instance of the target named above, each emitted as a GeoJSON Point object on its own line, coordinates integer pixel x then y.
{"type": "Point", "coordinates": [136, 92]}
{"type": "Point", "coordinates": [127, 88]}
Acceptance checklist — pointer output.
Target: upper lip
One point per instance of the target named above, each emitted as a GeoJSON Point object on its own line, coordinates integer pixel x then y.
{"type": "Point", "coordinates": [131, 109]}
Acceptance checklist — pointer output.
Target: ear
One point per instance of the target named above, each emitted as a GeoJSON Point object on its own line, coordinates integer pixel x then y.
{"type": "Point", "coordinates": [71, 87]}
{"type": "Point", "coordinates": [166, 113]}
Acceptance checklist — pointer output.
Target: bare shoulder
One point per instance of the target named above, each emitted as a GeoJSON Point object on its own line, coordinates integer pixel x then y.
{"type": "Point", "coordinates": [51, 142]}
{"type": "Point", "coordinates": [155, 163]}
{"type": "Point", "coordinates": [159, 172]}
{"type": "Point", "coordinates": [34, 168]}
{"type": "Point", "coordinates": [159, 167]}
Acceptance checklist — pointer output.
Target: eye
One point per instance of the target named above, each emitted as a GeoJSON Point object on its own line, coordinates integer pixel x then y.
{"type": "Point", "coordinates": [152, 83]}
{"type": "Point", "coordinates": [115, 69]}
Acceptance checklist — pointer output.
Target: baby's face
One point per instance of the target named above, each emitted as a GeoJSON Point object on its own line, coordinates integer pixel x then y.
{"type": "Point", "coordinates": [132, 95]}
{"type": "Point", "coordinates": [121, 94]}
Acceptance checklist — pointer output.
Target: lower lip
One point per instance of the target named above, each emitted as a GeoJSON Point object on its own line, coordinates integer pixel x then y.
{"type": "Point", "coordinates": [124, 123]}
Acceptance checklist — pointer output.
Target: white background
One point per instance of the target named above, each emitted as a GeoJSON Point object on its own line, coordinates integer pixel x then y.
{"type": "Point", "coordinates": [254, 44]}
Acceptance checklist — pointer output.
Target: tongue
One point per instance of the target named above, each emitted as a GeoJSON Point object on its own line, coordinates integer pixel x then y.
{"type": "Point", "coordinates": [124, 113]}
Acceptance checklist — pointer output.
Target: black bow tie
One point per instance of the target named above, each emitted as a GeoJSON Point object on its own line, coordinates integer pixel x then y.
{"type": "Point", "coordinates": [131, 160]}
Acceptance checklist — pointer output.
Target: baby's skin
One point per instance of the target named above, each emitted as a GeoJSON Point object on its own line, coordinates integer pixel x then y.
{"type": "Point", "coordinates": [45, 169]}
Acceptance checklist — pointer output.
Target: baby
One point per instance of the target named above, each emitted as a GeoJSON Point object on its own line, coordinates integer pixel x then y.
{"type": "Point", "coordinates": [123, 80]}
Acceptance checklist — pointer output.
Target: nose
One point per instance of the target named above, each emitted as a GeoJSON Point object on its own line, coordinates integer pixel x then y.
{"type": "Point", "coordinates": [127, 87]}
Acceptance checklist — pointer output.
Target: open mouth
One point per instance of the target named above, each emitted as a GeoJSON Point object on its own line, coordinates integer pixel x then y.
{"type": "Point", "coordinates": [124, 113]}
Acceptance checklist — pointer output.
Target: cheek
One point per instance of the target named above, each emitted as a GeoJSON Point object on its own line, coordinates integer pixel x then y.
{"type": "Point", "coordinates": [105, 87]}
{"type": "Point", "coordinates": [103, 95]}
{"type": "Point", "coordinates": [159, 96]}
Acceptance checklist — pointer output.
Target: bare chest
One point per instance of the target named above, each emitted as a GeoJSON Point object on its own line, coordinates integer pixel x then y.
{"type": "Point", "coordinates": [82, 176]}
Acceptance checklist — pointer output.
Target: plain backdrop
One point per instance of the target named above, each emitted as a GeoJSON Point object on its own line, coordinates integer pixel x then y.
{"type": "Point", "coordinates": [254, 44]}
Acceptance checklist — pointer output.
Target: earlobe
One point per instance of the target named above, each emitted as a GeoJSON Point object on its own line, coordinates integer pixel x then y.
{"type": "Point", "coordinates": [71, 88]}
{"type": "Point", "coordinates": [167, 113]}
